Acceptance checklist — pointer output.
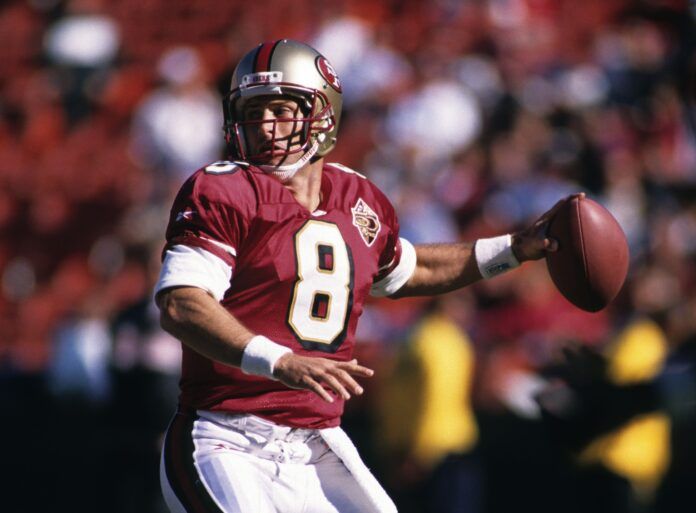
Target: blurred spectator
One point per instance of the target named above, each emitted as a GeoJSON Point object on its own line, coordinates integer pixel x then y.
{"type": "Point", "coordinates": [433, 123]}
{"type": "Point", "coordinates": [80, 364]}
{"type": "Point", "coordinates": [430, 384]}
{"type": "Point", "coordinates": [82, 45]}
{"type": "Point", "coordinates": [370, 71]}
{"type": "Point", "coordinates": [620, 409]}
{"type": "Point", "coordinates": [178, 127]}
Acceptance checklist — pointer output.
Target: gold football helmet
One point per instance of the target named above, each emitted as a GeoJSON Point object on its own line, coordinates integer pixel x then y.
{"type": "Point", "coordinates": [295, 70]}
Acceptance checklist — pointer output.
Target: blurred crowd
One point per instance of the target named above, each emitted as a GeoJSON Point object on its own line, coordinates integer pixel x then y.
{"type": "Point", "coordinates": [473, 116]}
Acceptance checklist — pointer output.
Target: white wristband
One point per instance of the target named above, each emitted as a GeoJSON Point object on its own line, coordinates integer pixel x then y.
{"type": "Point", "coordinates": [260, 356]}
{"type": "Point", "coordinates": [494, 256]}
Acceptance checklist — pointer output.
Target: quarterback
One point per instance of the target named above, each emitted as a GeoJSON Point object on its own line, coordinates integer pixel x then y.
{"type": "Point", "coordinates": [269, 259]}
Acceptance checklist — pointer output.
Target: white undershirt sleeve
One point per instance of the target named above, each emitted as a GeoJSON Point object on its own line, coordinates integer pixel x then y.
{"type": "Point", "coordinates": [401, 273]}
{"type": "Point", "coordinates": [186, 266]}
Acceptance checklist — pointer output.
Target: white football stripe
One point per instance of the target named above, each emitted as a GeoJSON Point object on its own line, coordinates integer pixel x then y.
{"type": "Point", "coordinates": [219, 244]}
{"type": "Point", "coordinates": [400, 274]}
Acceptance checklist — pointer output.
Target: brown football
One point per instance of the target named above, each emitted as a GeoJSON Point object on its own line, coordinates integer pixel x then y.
{"type": "Point", "coordinates": [591, 263]}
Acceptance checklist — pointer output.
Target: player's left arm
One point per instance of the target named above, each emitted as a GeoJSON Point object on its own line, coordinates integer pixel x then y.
{"type": "Point", "coordinates": [442, 268]}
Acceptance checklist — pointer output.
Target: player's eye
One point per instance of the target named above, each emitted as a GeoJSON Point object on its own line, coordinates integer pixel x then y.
{"type": "Point", "coordinates": [284, 111]}
{"type": "Point", "coordinates": [253, 113]}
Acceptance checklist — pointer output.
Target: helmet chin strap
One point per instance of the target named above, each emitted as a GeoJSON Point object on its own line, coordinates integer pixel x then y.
{"type": "Point", "coordinates": [285, 173]}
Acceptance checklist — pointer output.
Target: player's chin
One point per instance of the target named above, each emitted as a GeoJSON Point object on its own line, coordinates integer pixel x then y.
{"type": "Point", "coordinates": [266, 159]}
{"type": "Point", "coordinates": [277, 157]}
{"type": "Point", "coordinates": [266, 162]}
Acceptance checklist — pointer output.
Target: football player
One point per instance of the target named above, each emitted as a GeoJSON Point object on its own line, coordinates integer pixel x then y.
{"type": "Point", "coordinates": [269, 259]}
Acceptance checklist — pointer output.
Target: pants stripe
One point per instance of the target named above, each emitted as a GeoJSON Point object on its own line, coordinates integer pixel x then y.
{"type": "Point", "coordinates": [180, 469]}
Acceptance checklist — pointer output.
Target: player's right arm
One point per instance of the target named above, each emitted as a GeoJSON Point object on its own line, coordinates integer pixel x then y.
{"type": "Point", "coordinates": [198, 320]}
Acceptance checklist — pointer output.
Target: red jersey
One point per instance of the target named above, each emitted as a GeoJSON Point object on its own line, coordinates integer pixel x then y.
{"type": "Point", "coordinates": [299, 278]}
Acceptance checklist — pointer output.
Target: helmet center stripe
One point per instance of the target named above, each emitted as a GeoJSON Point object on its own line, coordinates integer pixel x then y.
{"type": "Point", "coordinates": [263, 57]}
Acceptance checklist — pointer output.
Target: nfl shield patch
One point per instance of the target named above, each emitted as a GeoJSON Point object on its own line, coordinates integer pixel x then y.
{"type": "Point", "coordinates": [366, 221]}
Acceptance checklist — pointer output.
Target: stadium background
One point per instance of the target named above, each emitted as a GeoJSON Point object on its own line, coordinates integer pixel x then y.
{"type": "Point", "coordinates": [473, 116]}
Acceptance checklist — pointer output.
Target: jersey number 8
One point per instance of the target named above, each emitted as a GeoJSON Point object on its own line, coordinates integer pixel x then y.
{"type": "Point", "coordinates": [323, 294]}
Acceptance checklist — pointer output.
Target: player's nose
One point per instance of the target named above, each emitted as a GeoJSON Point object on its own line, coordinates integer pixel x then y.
{"type": "Point", "coordinates": [268, 125]}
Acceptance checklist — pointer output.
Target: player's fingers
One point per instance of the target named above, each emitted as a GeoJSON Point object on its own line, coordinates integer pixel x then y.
{"type": "Point", "coordinates": [348, 381]}
{"type": "Point", "coordinates": [548, 215]}
{"type": "Point", "coordinates": [356, 369]}
{"type": "Point", "coordinates": [315, 387]}
{"type": "Point", "coordinates": [335, 385]}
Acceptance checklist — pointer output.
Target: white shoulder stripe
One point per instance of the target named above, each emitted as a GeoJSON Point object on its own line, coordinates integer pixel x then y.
{"type": "Point", "coordinates": [399, 275]}
{"type": "Point", "coordinates": [345, 169]}
{"type": "Point", "coordinates": [219, 244]}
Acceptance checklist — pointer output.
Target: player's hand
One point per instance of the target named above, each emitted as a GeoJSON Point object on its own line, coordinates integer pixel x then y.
{"type": "Point", "coordinates": [312, 373]}
{"type": "Point", "coordinates": [532, 242]}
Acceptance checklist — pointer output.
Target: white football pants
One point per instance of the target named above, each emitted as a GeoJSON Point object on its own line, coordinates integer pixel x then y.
{"type": "Point", "coordinates": [217, 462]}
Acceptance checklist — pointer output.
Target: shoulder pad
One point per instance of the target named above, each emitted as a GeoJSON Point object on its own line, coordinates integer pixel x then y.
{"type": "Point", "coordinates": [223, 167]}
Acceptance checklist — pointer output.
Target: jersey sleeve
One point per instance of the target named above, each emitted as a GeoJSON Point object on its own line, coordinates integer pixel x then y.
{"type": "Point", "coordinates": [398, 271]}
{"type": "Point", "coordinates": [186, 266]}
{"type": "Point", "coordinates": [213, 213]}
{"type": "Point", "coordinates": [397, 261]}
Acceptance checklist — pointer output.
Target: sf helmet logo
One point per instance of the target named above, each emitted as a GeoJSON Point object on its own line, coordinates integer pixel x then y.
{"type": "Point", "coordinates": [328, 73]}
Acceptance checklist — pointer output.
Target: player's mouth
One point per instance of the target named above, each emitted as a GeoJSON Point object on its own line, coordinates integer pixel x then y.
{"type": "Point", "coordinates": [271, 148]}
{"type": "Point", "coordinates": [270, 151]}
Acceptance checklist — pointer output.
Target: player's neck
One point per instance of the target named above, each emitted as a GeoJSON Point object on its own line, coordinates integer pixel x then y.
{"type": "Point", "coordinates": [306, 185]}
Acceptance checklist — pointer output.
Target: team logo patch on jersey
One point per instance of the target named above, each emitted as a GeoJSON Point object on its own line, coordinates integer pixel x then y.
{"type": "Point", "coordinates": [366, 221]}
